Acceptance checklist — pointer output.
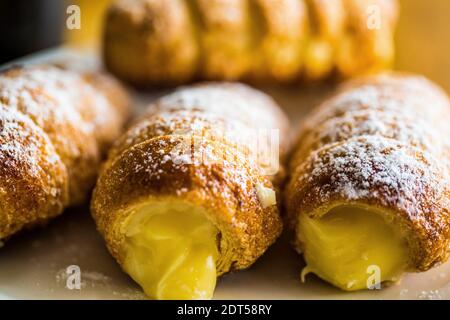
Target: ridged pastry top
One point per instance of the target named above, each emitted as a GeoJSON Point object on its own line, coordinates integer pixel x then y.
{"type": "Point", "coordinates": [69, 91]}
{"type": "Point", "coordinates": [258, 40]}
{"type": "Point", "coordinates": [381, 140]}
{"type": "Point", "coordinates": [387, 105]}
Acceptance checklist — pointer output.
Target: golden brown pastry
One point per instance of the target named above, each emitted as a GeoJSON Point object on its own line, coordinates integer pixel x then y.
{"type": "Point", "coordinates": [159, 42]}
{"type": "Point", "coordinates": [184, 198]}
{"type": "Point", "coordinates": [369, 189]}
{"type": "Point", "coordinates": [54, 126]}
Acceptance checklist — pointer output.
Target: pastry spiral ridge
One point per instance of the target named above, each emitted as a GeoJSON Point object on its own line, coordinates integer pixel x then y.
{"type": "Point", "coordinates": [157, 42]}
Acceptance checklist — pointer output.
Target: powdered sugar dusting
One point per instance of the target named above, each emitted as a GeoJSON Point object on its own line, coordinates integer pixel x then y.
{"type": "Point", "coordinates": [359, 166]}
{"type": "Point", "coordinates": [218, 112]}
{"type": "Point", "coordinates": [23, 143]}
{"type": "Point", "coordinates": [25, 94]}
{"type": "Point", "coordinates": [409, 110]}
{"type": "Point", "coordinates": [44, 85]}
{"type": "Point", "coordinates": [230, 101]}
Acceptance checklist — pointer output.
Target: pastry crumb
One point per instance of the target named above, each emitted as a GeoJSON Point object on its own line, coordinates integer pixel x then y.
{"type": "Point", "coordinates": [266, 196]}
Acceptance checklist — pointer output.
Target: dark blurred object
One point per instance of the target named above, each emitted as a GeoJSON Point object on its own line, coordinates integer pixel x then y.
{"type": "Point", "coordinates": [27, 26]}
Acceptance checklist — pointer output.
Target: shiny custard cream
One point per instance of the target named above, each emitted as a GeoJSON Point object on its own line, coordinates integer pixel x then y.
{"type": "Point", "coordinates": [171, 251]}
{"type": "Point", "coordinates": [350, 244]}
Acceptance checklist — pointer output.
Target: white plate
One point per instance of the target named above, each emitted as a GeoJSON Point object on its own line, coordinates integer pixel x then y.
{"type": "Point", "coordinates": [33, 264]}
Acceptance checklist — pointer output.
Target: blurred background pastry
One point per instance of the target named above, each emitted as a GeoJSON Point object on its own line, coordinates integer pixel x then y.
{"type": "Point", "coordinates": [31, 25]}
{"type": "Point", "coordinates": [157, 42]}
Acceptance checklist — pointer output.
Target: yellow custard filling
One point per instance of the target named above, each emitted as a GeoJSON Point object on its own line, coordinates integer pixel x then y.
{"type": "Point", "coordinates": [171, 251]}
{"type": "Point", "coordinates": [351, 247]}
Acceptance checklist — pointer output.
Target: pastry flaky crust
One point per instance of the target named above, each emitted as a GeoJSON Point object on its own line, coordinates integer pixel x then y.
{"type": "Point", "coordinates": [180, 150]}
{"type": "Point", "coordinates": [159, 42]}
{"type": "Point", "coordinates": [380, 142]}
{"type": "Point", "coordinates": [55, 126]}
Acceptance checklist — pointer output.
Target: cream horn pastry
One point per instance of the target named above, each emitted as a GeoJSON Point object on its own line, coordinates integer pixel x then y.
{"type": "Point", "coordinates": [369, 182]}
{"type": "Point", "coordinates": [54, 127]}
{"type": "Point", "coordinates": [159, 42]}
{"type": "Point", "coordinates": [182, 199]}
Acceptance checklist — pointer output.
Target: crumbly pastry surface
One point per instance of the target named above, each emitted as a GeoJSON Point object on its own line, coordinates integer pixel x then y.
{"type": "Point", "coordinates": [179, 158]}
{"type": "Point", "coordinates": [379, 144]}
{"type": "Point", "coordinates": [158, 42]}
{"type": "Point", "coordinates": [54, 128]}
